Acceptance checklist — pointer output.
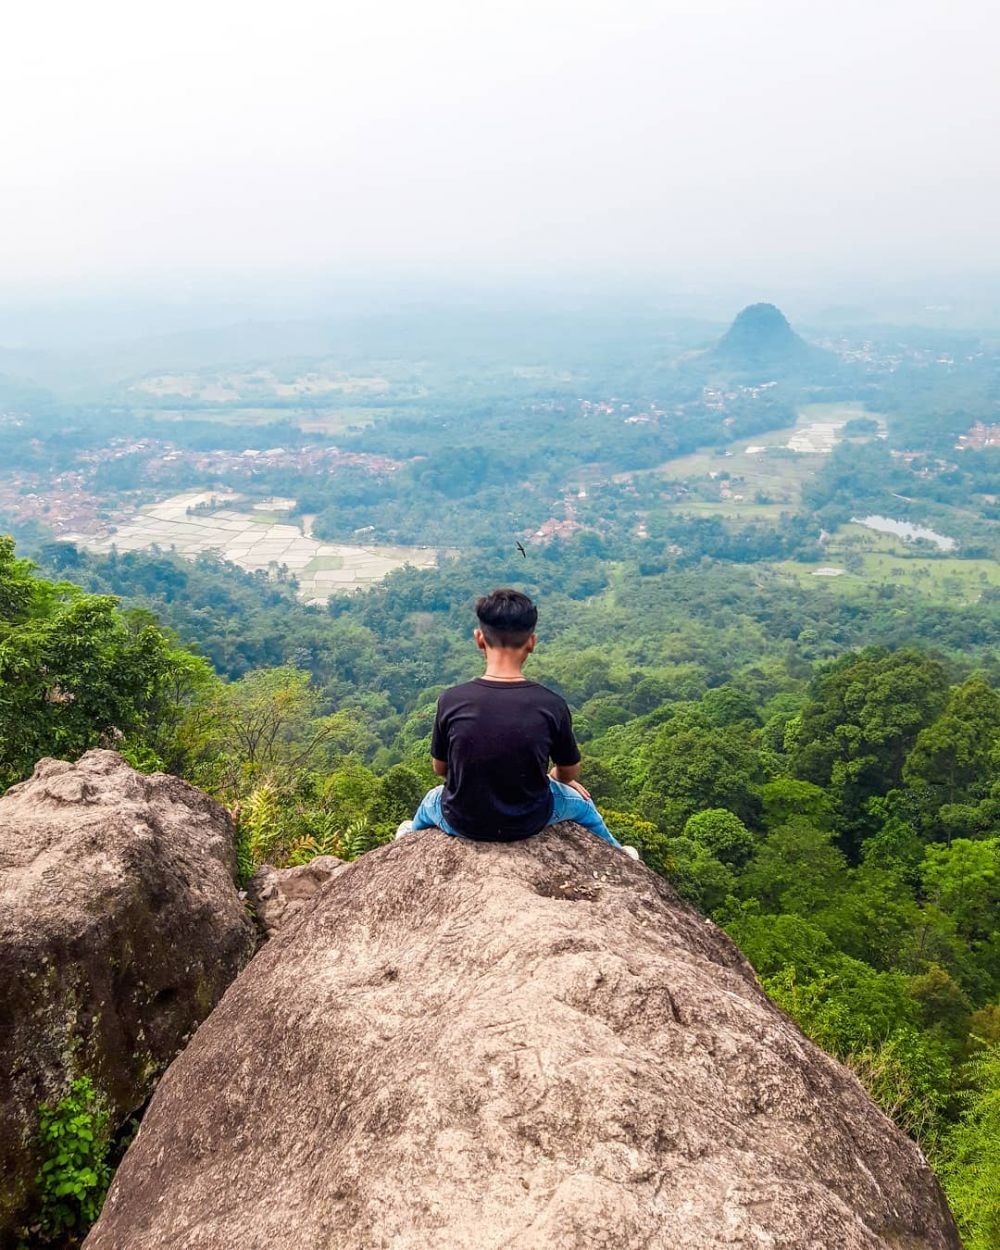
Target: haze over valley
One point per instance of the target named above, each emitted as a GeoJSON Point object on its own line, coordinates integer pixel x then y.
{"type": "Point", "coordinates": [370, 446]}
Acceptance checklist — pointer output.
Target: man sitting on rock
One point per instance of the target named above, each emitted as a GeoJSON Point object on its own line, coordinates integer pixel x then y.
{"type": "Point", "coordinates": [494, 737]}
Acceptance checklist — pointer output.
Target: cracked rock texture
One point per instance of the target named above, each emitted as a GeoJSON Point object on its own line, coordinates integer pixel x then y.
{"type": "Point", "coordinates": [120, 927]}
{"type": "Point", "coordinates": [533, 1046]}
{"type": "Point", "coordinates": [280, 895]}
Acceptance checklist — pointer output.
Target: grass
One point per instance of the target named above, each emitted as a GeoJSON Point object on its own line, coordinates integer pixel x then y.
{"type": "Point", "coordinates": [774, 471]}
{"type": "Point", "coordinates": [940, 581]}
{"type": "Point", "coordinates": [870, 558]}
{"type": "Point", "coordinates": [224, 415]}
{"type": "Point", "coordinates": [338, 420]}
{"type": "Point", "coordinates": [258, 517]}
{"type": "Point", "coordinates": [731, 509]}
{"type": "Point", "coordinates": [322, 564]}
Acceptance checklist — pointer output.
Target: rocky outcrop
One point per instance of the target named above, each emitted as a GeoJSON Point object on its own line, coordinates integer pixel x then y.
{"type": "Point", "coordinates": [279, 895]}
{"type": "Point", "coordinates": [533, 1046]}
{"type": "Point", "coordinates": [120, 927]}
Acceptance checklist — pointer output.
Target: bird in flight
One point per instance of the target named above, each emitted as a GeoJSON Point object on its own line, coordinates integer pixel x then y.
{"type": "Point", "coordinates": [520, 547]}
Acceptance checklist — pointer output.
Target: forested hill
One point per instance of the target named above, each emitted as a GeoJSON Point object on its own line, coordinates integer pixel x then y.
{"type": "Point", "coordinates": [819, 776]}
{"type": "Point", "coordinates": [760, 341]}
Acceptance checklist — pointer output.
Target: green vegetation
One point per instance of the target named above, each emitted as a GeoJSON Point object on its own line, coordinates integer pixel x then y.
{"type": "Point", "coordinates": [834, 806]}
{"type": "Point", "coordinates": [76, 672]}
{"type": "Point", "coordinates": [74, 1178]}
{"type": "Point", "coordinates": [971, 1162]}
{"type": "Point", "coordinates": [319, 563]}
{"type": "Point", "coordinates": [813, 761]}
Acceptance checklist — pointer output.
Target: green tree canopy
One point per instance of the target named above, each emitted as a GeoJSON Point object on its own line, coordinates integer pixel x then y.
{"type": "Point", "coordinates": [76, 672]}
{"type": "Point", "coordinates": [721, 833]}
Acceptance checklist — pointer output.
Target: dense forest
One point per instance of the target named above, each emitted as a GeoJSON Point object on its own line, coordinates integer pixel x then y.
{"type": "Point", "coordinates": [819, 774]}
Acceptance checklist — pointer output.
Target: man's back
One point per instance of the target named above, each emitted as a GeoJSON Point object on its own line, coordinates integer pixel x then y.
{"type": "Point", "coordinates": [497, 738]}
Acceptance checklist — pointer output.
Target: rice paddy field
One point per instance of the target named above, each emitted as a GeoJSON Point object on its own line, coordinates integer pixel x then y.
{"type": "Point", "coordinates": [314, 420]}
{"type": "Point", "coordinates": [257, 540]}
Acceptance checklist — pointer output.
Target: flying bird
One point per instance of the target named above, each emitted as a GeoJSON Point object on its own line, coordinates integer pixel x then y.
{"type": "Point", "coordinates": [520, 547]}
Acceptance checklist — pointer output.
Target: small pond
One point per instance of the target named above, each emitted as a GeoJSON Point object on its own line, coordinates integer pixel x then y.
{"type": "Point", "coordinates": [906, 530]}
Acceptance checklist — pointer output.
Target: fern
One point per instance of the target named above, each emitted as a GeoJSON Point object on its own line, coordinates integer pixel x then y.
{"type": "Point", "coordinates": [349, 842]}
{"type": "Point", "coordinates": [970, 1168]}
{"type": "Point", "coordinates": [324, 839]}
{"type": "Point", "coordinates": [259, 827]}
{"type": "Point", "coordinates": [357, 838]}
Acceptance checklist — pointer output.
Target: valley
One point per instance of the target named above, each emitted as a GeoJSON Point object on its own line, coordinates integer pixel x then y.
{"type": "Point", "coordinates": [768, 585]}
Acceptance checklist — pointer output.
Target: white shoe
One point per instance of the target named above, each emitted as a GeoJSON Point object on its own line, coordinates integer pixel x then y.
{"type": "Point", "coordinates": [632, 852]}
{"type": "Point", "coordinates": [405, 826]}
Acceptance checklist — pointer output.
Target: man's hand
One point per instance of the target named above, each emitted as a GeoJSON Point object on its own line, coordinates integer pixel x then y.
{"type": "Point", "coordinates": [573, 785]}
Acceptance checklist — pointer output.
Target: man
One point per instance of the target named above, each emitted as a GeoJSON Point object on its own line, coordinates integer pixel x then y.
{"type": "Point", "coordinates": [494, 737]}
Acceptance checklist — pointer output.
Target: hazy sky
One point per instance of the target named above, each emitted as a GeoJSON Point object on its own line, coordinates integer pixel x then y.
{"type": "Point", "coordinates": [622, 137]}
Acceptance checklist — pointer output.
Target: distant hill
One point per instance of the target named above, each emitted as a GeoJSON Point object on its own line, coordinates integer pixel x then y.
{"type": "Point", "coordinates": [760, 341]}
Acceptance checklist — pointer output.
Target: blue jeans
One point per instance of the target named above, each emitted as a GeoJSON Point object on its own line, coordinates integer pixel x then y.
{"type": "Point", "coordinates": [566, 805]}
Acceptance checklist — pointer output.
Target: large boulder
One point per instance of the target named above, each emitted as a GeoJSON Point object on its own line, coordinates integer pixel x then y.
{"type": "Point", "coordinates": [533, 1046]}
{"type": "Point", "coordinates": [278, 896]}
{"type": "Point", "coordinates": [120, 927]}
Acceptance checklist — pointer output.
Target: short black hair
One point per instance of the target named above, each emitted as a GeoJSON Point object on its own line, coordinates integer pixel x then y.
{"type": "Point", "coordinates": [506, 617]}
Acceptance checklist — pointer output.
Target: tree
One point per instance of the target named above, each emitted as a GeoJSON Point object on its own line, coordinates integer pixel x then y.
{"type": "Point", "coordinates": [722, 834]}
{"type": "Point", "coordinates": [871, 916]}
{"type": "Point", "coordinates": [75, 672]}
{"type": "Point", "coordinates": [849, 1007]}
{"type": "Point", "coordinates": [684, 770]}
{"type": "Point", "coordinates": [785, 798]}
{"type": "Point", "coordinates": [21, 593]}
{"type": "Point", "coordinates": [895, 845]}
{"type": "Point", "coordinates": [651, 843]}
{"type": "Point", "coordinates": [796, 869]}
{"type": "Point", "coordinates": [959, 750]}
{"type": "Point", "coordinates": [945, 1007]}
{"type": "Point", "coordinates": [698, 875]}
{"type": "Point", "coordinates": [397, 795]}
{"type": "Point", "coordinates": [963, 880]}
{"type": "Point", "coordinates": [266, 725]}
{"type": "Point", "coordinates": [775, 942]}
{"type": "Point", "coordinates": [864, 716]}
{"type": "Point", "coordinates": [725, 706]}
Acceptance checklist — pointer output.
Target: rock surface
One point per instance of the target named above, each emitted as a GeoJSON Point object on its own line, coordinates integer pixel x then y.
{"type": "Point", "coordinates": [279, 895]}
{"type": "Point", "coordinates": [532, 1046]}
{"type": "Point", "coordinates": [120, 927]}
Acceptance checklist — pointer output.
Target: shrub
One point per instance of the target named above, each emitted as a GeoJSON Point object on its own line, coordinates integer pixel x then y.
{"type": "Point", "coordinates": [75, 1138]}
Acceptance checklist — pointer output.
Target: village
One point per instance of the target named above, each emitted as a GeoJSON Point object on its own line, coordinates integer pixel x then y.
{"type": "Point", "coordinates": [81, 500]}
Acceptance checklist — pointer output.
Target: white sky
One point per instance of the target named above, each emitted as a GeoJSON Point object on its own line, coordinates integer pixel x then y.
{"type": "Point", "coordinates": [465, 137]}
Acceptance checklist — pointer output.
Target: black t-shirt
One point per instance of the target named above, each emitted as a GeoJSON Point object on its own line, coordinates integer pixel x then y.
{"type": "Point", "coordinates": [497, 738]}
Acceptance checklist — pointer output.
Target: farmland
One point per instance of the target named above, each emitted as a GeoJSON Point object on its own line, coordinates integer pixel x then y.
{"type": "Point", "coordinates": [256, 540]}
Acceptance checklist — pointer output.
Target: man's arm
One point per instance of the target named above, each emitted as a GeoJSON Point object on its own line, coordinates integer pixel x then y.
{"type": "Point", "coordinates": [564, 747]}
{"type": "Point", "coordinates": [439, 745]}
{"type": "Point", "coordinates": [565, 773]}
